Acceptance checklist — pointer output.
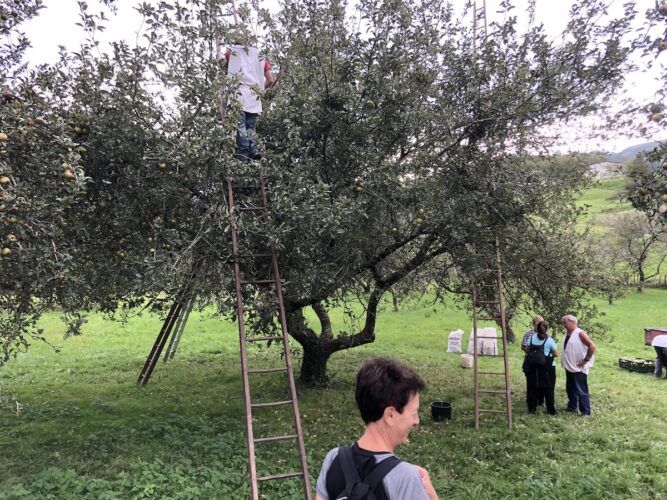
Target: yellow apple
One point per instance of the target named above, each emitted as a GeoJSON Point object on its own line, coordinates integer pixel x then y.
{"type": "Point", "coordinates": [4, 180]}
{"type": "Point", "coordinates": [6, 251]}
{"type": "Point", "coordinates": [3, 137]}
{"type": "Point", "coordinates": [11, 238]}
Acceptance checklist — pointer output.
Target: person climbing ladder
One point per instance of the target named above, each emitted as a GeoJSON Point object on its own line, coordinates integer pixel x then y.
{"type": "Point", "coordinates": [254, 74]}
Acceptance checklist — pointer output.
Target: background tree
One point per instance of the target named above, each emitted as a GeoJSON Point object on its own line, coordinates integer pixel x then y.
{"type": "Point", "coordinates": [639, 237]}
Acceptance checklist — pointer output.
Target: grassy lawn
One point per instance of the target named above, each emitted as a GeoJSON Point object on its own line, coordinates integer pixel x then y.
{"type": "Point", "coordinates": [85, 430]}
{"type": "Point", "coordinates": [604, 198]}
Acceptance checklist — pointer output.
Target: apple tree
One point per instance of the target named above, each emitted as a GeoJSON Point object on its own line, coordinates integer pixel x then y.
{"type": "Point", "coordinates": [391, 150]}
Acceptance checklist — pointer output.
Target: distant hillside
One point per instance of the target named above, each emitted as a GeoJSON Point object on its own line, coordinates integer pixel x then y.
{"type": "Point", "coordinates": [631, 152]}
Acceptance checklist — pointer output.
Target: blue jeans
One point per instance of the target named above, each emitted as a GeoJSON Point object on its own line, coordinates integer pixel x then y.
{"type": "Point", "coordinates": [576, 386]}
{"type": "Point", "coordinates": [246, 138]}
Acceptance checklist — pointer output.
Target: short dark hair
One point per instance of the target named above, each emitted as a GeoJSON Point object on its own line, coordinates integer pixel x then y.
{"type": "Point", "coordinates": [384, 382]}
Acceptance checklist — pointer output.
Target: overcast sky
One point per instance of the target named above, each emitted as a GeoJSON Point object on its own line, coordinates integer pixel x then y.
{"type": "Point", "coordinates": [56, 26]}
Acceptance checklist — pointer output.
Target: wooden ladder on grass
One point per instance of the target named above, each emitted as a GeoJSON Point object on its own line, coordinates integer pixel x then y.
{"type": "Point", "coordinates": [273, 285]}
{"type": "Point", "coordinates": [173, 325]}
{"type": "Point", "coordinates": [485, 295]}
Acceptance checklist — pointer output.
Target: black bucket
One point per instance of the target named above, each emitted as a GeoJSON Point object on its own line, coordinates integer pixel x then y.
{"type": "Point", "coordinates": [441, 410]}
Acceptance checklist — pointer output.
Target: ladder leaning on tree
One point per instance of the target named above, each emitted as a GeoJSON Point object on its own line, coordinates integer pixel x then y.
{"type": "Point", "coordinates": [487, 293]}
{"type": "Point", "coordinates": [173, 324]}
{"type": "Point", "coordinates": [272, 284]}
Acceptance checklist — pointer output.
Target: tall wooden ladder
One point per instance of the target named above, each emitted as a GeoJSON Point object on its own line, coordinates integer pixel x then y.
{"type": "Point", "coordinates": [488, 294]}
{"type": "Point", "coordinates": [272, 285]}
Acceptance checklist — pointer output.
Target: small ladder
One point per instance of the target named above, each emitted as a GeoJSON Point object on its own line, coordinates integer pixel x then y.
{"type": "Point", "coordinates": [492, 286]}
{"type": "Point", "coordinates": [274, 283]}
{"type": "Point", "coordinates": [174, 323]}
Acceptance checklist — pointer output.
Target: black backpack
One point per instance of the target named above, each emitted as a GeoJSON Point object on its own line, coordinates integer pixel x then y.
{"type": "Point", "coordinates": [355, 488]}
{"type": "Point", "coordinates": [535, 355]}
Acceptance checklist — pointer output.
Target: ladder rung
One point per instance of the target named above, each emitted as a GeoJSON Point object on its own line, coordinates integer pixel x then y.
{"type": "Point", "coordinates": [257, 282]}
{"type": "Point", "coordinates": [267, 370]}
{"type": "Point", "coordinates": [275, 403]}
{"type": "Point", "coordinates": [487, 337]}
{"type": "Point", "coordinates": [260, 339]}
{"type": "Point", "coordinates": [490, 373]}
{"type": "Point", "coordinates": [252, 209]}
{"type": "Point", "coordinates": [489, 391]}
{"type": "Point", "coordinates": [280, 476]}
{"type": "Point", "coordinates": [491, 411]}
{"type": "Point", "coordinates": [238, 257]}
{"type": "Point", "coordinates": [486, 319]}
{"type": "Point", "coordinates": [275, 438]}
{"type": "Point", "coordinates": [487, 302]}
{"type": "Point", "coordinates": [255, 309]}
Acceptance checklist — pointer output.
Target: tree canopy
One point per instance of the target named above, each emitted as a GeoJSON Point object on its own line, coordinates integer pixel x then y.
{"type": "Point", "coordinates": [391, 148]}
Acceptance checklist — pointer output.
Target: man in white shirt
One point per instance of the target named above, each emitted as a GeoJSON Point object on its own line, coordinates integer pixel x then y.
{"type": "Point", "coordinates": [254, 75]}
{"type": "Point", "coordinates": [578, 357]}
{"type": "Point", "coordinates": [659, 343]}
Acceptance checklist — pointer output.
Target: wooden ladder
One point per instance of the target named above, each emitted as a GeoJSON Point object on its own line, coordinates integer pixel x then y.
{"type": "Point", "coordinates": [492, 286]}
{"type": "Point", "coordinates": [173, 324]}
{"type": "Point", "coordinates": [274, 284]}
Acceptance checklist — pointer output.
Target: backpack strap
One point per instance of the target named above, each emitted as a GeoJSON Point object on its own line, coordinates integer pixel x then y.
{"type": "Point", "coordinates": [378, 473]}
{"type": "Point", "coordinates": [347, 464]}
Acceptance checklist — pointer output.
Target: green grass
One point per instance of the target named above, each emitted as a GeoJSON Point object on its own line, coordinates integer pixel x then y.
{"type": "Point", "coordinates": [86, 430]}
{"type": "Point", "coordinates": [604, 198]}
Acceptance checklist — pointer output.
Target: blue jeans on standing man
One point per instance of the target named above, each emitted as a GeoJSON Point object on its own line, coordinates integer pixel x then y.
{"type": "Point", "coordinates": [576, 386]}
{"type": "Point", "coordinates": [246, 137]}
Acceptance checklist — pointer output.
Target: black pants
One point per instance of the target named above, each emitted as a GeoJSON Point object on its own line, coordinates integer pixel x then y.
{"type": "Point", "coordinates": [546, 394]}
{"type": "Point", "coordinates": [540, 383]}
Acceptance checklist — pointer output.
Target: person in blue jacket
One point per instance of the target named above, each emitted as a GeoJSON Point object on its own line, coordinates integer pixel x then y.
{"type": "Point", "coordinates": [541, 378]}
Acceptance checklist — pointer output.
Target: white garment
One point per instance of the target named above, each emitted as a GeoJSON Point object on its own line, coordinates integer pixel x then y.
{"type": "Point", "coordinates": [249, 66]}
{"type": "Point", "coordinates": [454, 341]}
{"type": "Point", "coordinates": [659, 341]}
{"type": "Point", "coordinates": [487, 341]}
{"type": "Point", "coordinates": [574, 351]}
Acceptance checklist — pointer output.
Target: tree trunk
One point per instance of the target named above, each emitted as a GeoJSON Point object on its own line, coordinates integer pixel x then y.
{"type": "Point", "coordinates": [314, 363]}
{"type": "Point", "coordinates": [394, 300]}
{"type": "Point", "coordinates": [642, 279]}
{"type": "Point", "coordinates": [511, 337]}
{"type": "Point", "coordinates": [317, 349]}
